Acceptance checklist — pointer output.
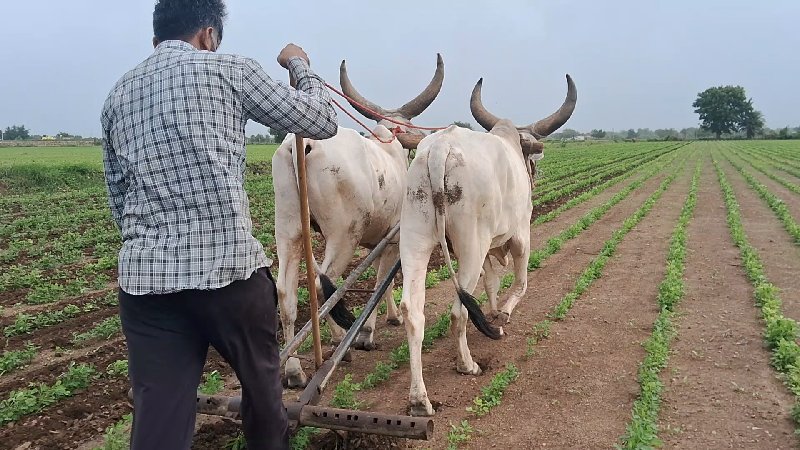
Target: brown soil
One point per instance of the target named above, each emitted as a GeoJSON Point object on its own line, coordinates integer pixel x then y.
{"type": "Point", "coordinates": [720, 389]}
{"type": "Point", "coordinates": [579, 386]}
{"type": "Point", "coordinates": [791, 199]}
{"type": "Point", "coordinates": [776, 248]}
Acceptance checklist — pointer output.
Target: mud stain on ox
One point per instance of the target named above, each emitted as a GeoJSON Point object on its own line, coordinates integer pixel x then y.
{"type": "Point", "coordinates": [419, 195]}
{"type": "Point", "coordinates": [453, 193]}
{"type": "Point", "coordinates": [333, 169]}
{"type": "Point", "coordinates": [381, 182]}
{"type": "Point", "coordinates": [438, 202]}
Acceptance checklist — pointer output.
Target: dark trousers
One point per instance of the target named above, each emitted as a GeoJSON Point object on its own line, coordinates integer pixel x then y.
{"type": "Point", "coordinates": [168, 338]}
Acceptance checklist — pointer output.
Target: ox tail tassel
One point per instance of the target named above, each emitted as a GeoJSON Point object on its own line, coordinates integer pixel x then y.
{"type": "Point", "coordinates": [339, 313]}
{"type": "Point", "coordinates": [477, 317]}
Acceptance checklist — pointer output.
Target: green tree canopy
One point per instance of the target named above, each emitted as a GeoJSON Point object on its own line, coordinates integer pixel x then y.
{"type": "Point", "coordinates": [16, 133]}
{"type": "Point", "coordinates": [463, 124]}
{"type": "Point", "coordinates": [751, 121]}
{"type": "Point", "coordinates": [721, 109]}
{"type": "Point", "coordinates": [277, 135]}
{"type": "Point", "coordinates": [598, 134]}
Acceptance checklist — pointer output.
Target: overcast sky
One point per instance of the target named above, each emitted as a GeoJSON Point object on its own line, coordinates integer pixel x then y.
{"type": "Point", "coordinates": [635, 63]}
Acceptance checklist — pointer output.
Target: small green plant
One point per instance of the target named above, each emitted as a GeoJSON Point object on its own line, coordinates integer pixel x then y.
{"type": "Point", "coordinates": [540, 331]}
{"type": "Point", "coordinates": [344, 396]}
{"type": "Point", "coordinates": [103, 330]}
{"type": "Point", "coordinates": [118, 368]}
{"type": "Point", "coordinates": [15, 359]}
{"type": "Point", "coordinates": [492, 394]}
{"type": "Point", "coordinates": [368, 274]}
{"type": "Point", "coordinates": [302, 438]}
{"type": "Point", "coordinates": [38, 396]}
{"type": "Point", "coordinates": [236, 443]}
{"type": "Point", "coordinates": [458, 434]}
{"type": "Point", "coordinates": [213, 383]}
{"type": "Point", "coordinates": [118, 436]}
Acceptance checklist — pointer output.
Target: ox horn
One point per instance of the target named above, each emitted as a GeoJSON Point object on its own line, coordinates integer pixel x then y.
{"type": "Point", "coordinates": [554, 121]}
{"type": "Point", "coordinates": [350, 91]}
{"type": "Point", "coordinates": [408, 111]}
{"type": "Point", "coordinates": [486, 119]}
{"type": "Point", "coordinates": [425, 98]}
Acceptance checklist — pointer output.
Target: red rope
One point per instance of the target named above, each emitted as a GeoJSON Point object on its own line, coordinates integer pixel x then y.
{"type": "Point", "coordinates": [394, 131]}
{"type": "Point", "coordinates": [388, 119]}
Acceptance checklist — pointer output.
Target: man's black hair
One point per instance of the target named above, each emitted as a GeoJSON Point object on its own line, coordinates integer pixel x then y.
{"type": "Point", "coordinates": [181, 19]}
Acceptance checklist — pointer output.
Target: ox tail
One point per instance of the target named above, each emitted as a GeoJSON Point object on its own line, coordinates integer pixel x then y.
{"type": "Point", "coordinates": [437, 159]}
{"type": "Point", "coordinates": [339, 313]}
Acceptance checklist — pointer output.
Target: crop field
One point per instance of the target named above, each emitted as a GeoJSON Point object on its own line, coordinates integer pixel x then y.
{"type": "Point", "coordinates": [661, 307]}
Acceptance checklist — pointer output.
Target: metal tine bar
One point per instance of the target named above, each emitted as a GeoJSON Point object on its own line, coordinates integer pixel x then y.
{"type": "Point", "coordinates": [317, 383]}
{"type": "Point", "coordinates": [291, 347]}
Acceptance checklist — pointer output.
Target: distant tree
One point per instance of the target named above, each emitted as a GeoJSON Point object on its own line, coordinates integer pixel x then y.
{"type": "Point", "coordinates": [666, 133]}
{"type": "Point", "coordinates": [631, 134]}
{"type": "Point", "coordinates": [598, 134]}
{"type": "Point", "coordinates": [16, 133]}
{"type": "Point", "coordinates": [463, 124]}
{"type": "Point", "coordinates": [569, 133]}
{"type": "Point", "coordinates": [721, 109]}
{"type": "Point", "coordinates": [783, 133]}
{"type": "Point", "coordinates": [645, 133]}
{"type": "Point", "coordinates": [259, 139]}
{"type": "Point", "coordinates": [751, 121]}
{"type": "Point", "coordinates": [277, 135]}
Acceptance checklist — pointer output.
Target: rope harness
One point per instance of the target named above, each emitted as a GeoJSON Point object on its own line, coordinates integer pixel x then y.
{"type": "Point", "coordinates": [395, 131]}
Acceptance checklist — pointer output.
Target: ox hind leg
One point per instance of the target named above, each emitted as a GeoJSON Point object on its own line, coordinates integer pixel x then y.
{"type": "Point", "coordinates": [491, 284]}
{"type": "Point", "coordinates": [415, 252]}
{"type": "Point", "coordinates": [520, 251]}
{"type": "Point", "coordinates": [366, 336]}
{"type": "Point", "coordinates": [470, 259]}
{"type": "Point", "coordinates": [288, 274]}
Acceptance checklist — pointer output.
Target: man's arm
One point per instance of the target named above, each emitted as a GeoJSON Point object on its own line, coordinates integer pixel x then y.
{"type": "Point", "coordinates": [306, 110]}
{"type": "Point", "coordinates": [115, 180]}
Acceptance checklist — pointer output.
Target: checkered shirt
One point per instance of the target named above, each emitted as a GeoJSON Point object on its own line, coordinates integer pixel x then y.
{"type": "Point", "coordinates": [174, 157]}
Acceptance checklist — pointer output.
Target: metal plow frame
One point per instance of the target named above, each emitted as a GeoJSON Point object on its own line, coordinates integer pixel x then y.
{"type": "Point", "coordinates": [305, 412]}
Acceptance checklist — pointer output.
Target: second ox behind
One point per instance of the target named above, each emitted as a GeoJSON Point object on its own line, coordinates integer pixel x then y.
{"type": "Point", "coordinates": [356, 187]}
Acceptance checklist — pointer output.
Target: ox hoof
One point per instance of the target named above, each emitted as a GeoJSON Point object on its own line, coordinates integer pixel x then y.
{"type": "Point", "coordinates": [365, 342]}
{"type": "Point", "coordinates": [395, 322]}
{"type": "Point", "coordinates": [296, 380]}
{"type": "Point", "coordinates": [365, 345]}
{"type": "Point", "coordinates": [503, 318]}
{"type": "Point", "coordinates": [421, 409]}
{"type": "Point", "coordinates": [294, 377]}
{"type": "Point", "coordinates": [475, 370]}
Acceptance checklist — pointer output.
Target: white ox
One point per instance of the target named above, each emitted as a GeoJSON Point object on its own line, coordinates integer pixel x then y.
{"type": "Point", "coordinates": [355, 193]}
{"type": "Point", "coordinates": [472, 189]}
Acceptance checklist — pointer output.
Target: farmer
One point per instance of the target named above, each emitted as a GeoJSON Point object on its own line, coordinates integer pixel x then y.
{"type": "Point", "coordinates": [190, 272]}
